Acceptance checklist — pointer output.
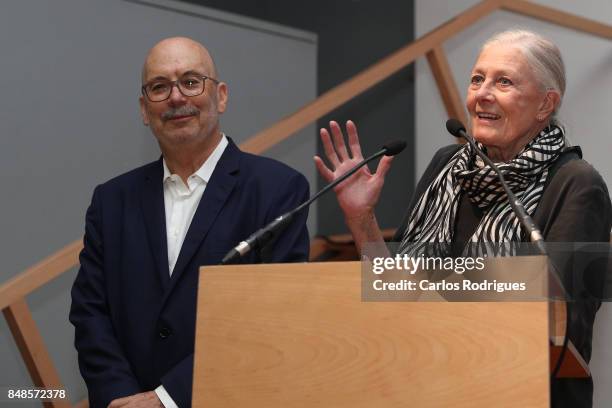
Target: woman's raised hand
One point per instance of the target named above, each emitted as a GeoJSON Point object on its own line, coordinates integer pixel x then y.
{"type": "Point", "coordinates": [357, 195]}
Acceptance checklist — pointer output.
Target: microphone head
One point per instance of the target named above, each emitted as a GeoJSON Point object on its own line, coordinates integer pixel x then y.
{"type": "Point", "coordinates": [455, 127]}
{"type": "Point", "coordinates": [394, 147]}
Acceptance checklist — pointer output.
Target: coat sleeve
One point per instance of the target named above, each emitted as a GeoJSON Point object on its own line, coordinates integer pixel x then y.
{"type": "Point", "coordinates": [102, 363]}
{"type": "Point", "coordinates": [292, 244]}
{"type": "Point", "coordinates": [581, 210]}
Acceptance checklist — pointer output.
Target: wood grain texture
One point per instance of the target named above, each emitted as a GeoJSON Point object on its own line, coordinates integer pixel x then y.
{"type": "Point", "coordinates": [33, 350]}
{"type": "Point", "coordinates": [558, 322]}
{"type": "Point", "coordinates": [15, 290]}
{"type": "Point", "coordinates": [573, 366]}
{"type": "Point", "coordinates": [300, 336]}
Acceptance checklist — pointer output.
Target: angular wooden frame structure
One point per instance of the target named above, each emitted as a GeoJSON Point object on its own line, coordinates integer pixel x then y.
{"type": "Point", "coordinates": [13, 293]}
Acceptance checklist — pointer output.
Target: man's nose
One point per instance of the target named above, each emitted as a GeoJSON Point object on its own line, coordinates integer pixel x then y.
{"type": "Point", "coordinates": [176, 97]}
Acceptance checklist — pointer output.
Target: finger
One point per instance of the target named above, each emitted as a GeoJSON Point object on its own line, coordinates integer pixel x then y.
{"type": "Point", "coordinates": [324, 171]}
{"type": "Point", "coordinates": [328, 148]}
{"type": "Point", "coordinates": [338, 140]}
{"type": "Point", "coordinates": [383, 166]}
{"type": "Point", "coordinates": [353, 139]}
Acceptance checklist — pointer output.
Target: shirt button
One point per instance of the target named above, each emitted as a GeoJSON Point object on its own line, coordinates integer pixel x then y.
{"type": "Point", "coordinates": [164, 332]}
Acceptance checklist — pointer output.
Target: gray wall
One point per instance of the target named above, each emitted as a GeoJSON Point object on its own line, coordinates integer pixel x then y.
{"type": "Point", "coordinates": [353, 36]}
{"type": "Point", "coordinates": [70, 77]}
{"type": "Point", "coordinates": [585, 110]}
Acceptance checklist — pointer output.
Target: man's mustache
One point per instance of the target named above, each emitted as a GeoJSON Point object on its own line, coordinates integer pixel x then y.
{"type": "Point", "coordinates": [180, 111]}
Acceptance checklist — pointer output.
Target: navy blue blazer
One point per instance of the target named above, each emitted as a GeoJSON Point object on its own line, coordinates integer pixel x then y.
{"type": "Point", "coordinates": [134, 324]}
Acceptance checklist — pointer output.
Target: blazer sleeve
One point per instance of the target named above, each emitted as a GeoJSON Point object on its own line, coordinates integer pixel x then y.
{"type": "Point", "coordinates": [101, 360]}
{"type": "Point", "coordinates": [292, 244]}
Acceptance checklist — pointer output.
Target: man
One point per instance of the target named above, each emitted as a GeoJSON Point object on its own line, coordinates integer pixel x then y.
{"type": "Point", "coordinates": [149, 230]}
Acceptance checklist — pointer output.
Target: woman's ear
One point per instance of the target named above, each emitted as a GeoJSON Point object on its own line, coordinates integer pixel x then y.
{"type": "Point", "coordinates": [548, 105]}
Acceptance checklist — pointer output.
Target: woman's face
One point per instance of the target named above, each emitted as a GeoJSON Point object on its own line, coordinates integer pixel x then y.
{"type": "Point", "coordinates": [504, 101]}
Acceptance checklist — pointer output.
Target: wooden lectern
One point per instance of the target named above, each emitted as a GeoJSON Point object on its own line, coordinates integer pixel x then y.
{"type": "Point", "coordinates": [299, 335]}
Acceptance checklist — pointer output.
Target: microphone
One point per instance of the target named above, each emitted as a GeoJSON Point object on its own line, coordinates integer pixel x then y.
{"type": "Point", "coordinates": [264, 235]}
{"type": "Point", "coordinates": [456, 128]}
{"type": "Point", "coordinates": [394, 147]}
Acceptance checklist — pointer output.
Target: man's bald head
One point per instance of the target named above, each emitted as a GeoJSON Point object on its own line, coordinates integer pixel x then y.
{"type": "Point", "coordinates": [185, 124]}
{"type": "Point", "coordinates": [167, 51]}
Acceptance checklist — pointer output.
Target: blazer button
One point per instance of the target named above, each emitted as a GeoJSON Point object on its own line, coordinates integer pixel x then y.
{"type": "Point", "coordinates": [164, 332]}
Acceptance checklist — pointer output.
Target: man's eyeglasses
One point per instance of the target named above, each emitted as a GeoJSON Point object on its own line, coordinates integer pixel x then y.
{"type": "Point", "coordinates": [188, 85]}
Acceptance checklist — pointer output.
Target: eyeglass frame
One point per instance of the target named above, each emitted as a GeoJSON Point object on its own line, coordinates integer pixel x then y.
{"type": "Point", "coordinates": [174, 83]}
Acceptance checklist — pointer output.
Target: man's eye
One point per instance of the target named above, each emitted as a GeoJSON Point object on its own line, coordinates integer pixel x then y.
{"type": "Point", "coordinates": [158, 87]}
{"type": "Point", "coordinates": [476, 79]}
{"type": "Point", "coordinates": [191, 83]}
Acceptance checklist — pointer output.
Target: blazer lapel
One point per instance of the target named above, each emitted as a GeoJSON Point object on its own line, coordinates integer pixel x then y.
{"type": "Point", "coordinates": [217, 191]}
{"type": "Point", "coordinates": [152, 203]}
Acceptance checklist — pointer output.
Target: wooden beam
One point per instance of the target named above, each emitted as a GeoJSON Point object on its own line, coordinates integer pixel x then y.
{"type": "Point", "coordinates": [40, 274]}
{"type": "Point", "coordinates": [36, 276]}
{"type": "Point", "coordinates": [363, 81]}
{"type": "Point", "coordinates": [558, 17]}
{"type": "Point", "coordinates": [33, 350]}
{"type": "Point", "coordinates": [558, 320]}
{"type": "Point", "coordinates": [446, 84]}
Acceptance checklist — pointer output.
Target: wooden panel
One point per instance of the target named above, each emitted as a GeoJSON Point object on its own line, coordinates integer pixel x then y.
{"type": "Point", "coordinates": [573, 365]}
{"type": "Point", "coordinates": [561, 18]}
{"type": "Point", "coordinates": [558, 322]}
{"type": "Point", "coordinates": [300, 336]}
{"type": "Point", "coordinates": [33, 350]}
{"type": "Point", "coordinates": [36, 276]}
{"type": "Point", "coordinates": [361, 82]}
{"type": "Point", "coordinates": [446, 84]}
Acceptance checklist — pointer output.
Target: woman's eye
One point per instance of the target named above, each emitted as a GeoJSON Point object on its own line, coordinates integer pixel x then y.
{"type": "Point", "coordinates": [504, 81]}
{"type": "Point", "coordinates": [476, 79]}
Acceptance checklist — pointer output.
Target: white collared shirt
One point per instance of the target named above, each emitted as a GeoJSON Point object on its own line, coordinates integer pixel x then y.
{"type": "Point", "coordinates": [180, 203]}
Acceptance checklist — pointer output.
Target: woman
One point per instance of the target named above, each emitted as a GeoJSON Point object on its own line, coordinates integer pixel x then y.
{"type": "Point", "coordinates": [516, 88]}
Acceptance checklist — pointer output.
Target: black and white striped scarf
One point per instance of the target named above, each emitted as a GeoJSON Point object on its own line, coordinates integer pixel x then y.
{"type": "Point", "coordinates": [433, 217]}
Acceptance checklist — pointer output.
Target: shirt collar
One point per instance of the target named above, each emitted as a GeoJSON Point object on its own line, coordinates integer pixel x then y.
{"type": "Point", "coordinates": [207, 168]}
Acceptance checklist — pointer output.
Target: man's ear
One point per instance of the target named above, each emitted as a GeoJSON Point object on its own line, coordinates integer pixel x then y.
{"type": "Point", "coordinates": [143, 111]}
{"type": "Point", "coordinates": [221, 97]}
{"type": "Point", "coordinates": [549, 104]}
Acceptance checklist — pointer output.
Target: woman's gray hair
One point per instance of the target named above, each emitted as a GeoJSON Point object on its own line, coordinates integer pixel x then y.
{"type": "Point", "coordinates": [542, 55]}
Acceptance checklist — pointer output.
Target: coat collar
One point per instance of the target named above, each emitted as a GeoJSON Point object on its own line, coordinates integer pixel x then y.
{"type": "Point", "coordinates": [152, 203]}
{"type": "Point", "coordinates": [218, 189]}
